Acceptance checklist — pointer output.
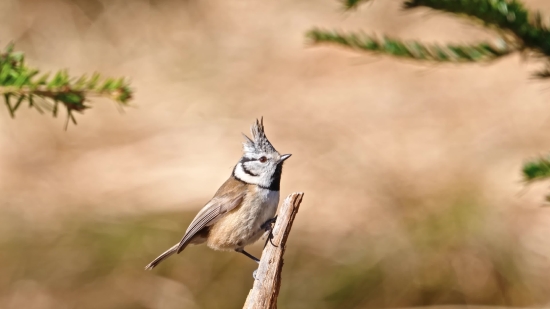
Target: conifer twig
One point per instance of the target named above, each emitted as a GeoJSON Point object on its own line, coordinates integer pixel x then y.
{"type": "Point", "coordinates": [518, 30]}
{"type": "Point", "coordinates": [510, 15]}
{"type": "Point", "coordinates": [264, 293]}
{"type": "Point", "coordinates": [20, 83]}
{"type": "Point", "coordinates": [353, 4]}
{"type": "Point", "coordinates": [413, 49]}
{"type": "Point", "coordinates": [536, 169]}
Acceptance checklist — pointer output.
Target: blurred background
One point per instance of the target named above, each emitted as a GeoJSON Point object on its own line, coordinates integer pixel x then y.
{"type": "Point", "coordinates": [411, 172]}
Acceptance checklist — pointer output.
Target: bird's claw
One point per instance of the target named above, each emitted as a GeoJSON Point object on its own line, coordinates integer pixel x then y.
{"type": "Point", "coordinates": [268, 226]}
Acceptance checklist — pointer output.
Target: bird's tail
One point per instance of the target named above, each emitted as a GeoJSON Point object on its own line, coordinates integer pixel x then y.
{"type": "Point", "coordinates": [161, 257]}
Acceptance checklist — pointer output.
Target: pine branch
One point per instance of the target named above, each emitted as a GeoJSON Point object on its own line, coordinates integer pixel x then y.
{"type": "Point", "coordinates": [353, 4]}
{"type": "Point", "coordinates": [537, 169]}
{"type": "Point", "coordinates": [413, 49]}
{"type": "Point", "coordinates": [528, 29]}
{"type": "Point", "coordinates": [21, 84]}
{"type": "Point", "coordinates": [518, 28]}
{"type": "Point", "coordinates": [510, 15]}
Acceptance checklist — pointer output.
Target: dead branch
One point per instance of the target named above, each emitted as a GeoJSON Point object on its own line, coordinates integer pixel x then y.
{"type": "Point", "coordinates": [266, 287]}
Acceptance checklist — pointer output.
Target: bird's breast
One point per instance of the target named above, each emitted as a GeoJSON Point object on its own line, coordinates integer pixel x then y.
{"type": "Point", "coordinates": [260, 206]}
{"type": "Point", "coordinates": [242, 226]}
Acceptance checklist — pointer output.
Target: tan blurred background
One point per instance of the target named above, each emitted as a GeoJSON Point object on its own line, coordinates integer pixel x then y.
{"type": "Point", "coordinates": [411, 171]}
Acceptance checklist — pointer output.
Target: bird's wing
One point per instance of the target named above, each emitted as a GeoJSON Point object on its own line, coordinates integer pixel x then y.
{"type": "Point", "coordinates": [229, 196]}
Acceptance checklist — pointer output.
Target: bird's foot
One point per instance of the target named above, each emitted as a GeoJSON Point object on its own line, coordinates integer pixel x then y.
{"type": "Point", "coordinates": [268, 226]}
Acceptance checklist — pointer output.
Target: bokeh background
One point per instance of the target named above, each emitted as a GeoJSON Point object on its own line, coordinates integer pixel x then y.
{"type": "Point", "coordinates": [411, 172]}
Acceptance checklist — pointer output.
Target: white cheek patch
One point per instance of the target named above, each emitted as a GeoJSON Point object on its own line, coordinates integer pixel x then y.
{"type": "Point", "coordinates": [242, 175]}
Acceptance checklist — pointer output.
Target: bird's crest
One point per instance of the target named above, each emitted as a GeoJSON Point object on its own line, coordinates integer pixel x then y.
{"type": "Point", "coordinates": [259, 142]}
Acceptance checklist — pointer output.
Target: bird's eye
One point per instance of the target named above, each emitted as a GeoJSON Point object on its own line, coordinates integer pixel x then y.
{"type": "Point", "coordinates": [263, 159]}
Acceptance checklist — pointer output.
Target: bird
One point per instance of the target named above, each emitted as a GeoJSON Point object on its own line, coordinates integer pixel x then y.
{"type": "Point", "coordinates": [243, 209]}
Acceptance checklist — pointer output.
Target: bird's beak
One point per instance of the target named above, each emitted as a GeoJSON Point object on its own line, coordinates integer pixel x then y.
{"type": "Point", "coordinates": [284, 157]}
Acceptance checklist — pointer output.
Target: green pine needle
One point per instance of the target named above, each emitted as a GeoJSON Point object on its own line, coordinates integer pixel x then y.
{"type": "Point", "coordinates": [536, 169]}
{"type": "Point", "coordinates": [412, 49]}
{"type": "Point", "coordinates": [519, 29]}
{"type": "Point", "coordinates": [353, 4]}
{"type": "Point", "coordinates": [511, 15]}
{"type": "Point", "coordinates": [20, 83]}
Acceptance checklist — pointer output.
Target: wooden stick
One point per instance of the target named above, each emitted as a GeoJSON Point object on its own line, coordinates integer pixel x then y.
{"type": "Point", "coordinates": [266, 287]}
